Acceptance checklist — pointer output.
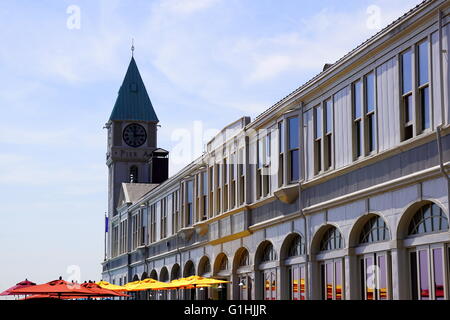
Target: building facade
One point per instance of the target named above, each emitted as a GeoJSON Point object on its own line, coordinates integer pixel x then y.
{"type": "Point", "coordinates": [338, 191]}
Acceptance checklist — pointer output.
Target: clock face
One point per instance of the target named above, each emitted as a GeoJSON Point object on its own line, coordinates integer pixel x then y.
{"type": "Point", "coordinates": [134, 135]}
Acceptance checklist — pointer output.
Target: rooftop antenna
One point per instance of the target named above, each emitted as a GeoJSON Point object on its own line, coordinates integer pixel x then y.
{"type": "Point", "coordinates": [132, 47]}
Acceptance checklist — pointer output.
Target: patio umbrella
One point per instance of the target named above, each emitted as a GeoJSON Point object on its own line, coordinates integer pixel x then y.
{"type": "Point", "coordinates": [110, 286]}
{"type": "Point", "coordinates": [56, 288]}
{"type": "Point", "coordinates": [22, 284]}
{"type": "Point", "coordinates": [146, 284]}
{"type": "Point", "coordinates": [101, 292]}
{"type": "Point", "coordinates": [197, 281]}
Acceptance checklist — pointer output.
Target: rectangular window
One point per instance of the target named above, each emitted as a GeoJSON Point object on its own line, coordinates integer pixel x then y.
{"type": "Point", "coordinates": [233, 177]}
{"type": "Point", "coordinates": [281, 153]}
{"type": "Point", "coordinates": [204, 195]}
{"type": "Point", "coordinates": [259, 175]}
{"type": "Point", "coordinates": [424, 281]}
{"type": "Point", "coordinates": [328, 108]}
{"type": "Point", "coordinates": [369, 85]}
{"type": "Point", "coordinates": [438, 272]}
{"type": "Point", "coordinates": [357, 119]}
{"type": "Point", "coordinates": [211, 191]}
{"type": "Point", "coordinates": [413, 273]}
{"type": "Point", "coordinates": [332, 280]}
{"type": "Point", "coordinates": [189, 202]}
{"type": "Point", "coordinates": [163, 218]}
{"type": "Point", "coordinates": [423, 63]}
{"type": "Point", "coordinates": [153, 223]}
{"type": "Point", "coordinates": [428, 273]}
{"type": "Point", "coordinates": [225, 184]}
{"type": "Point", "coordinates": [407, 100]}
{"type": "Point", "coordinates": [218, 189]}
{"type": "Point", "coordinates": [293, 143]}
{"type": "Point", "coordinates": [241, 177]}
{"type": "Point", "coordinates": [423, 84]}
{"type": "Point", "coordinates": [382, 278]}
{"type": "Point", "coordinates": [175, 212]}
{"type": "Point", "coordinates": [318, 116]}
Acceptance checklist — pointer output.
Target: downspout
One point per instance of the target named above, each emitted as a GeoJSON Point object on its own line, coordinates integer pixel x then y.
{"type": "Point", "coordinates": [441, 161]}
{"type": "Point", "coordinates": [438, 128]}
{"type": "Point", "coordinates": [300, 199]}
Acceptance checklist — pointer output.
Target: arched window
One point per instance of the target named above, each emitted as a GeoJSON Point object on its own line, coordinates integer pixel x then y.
{"type": "Point", "coordinates": [154, 275]}
{"type": "Point", "coordinates": [269, 253]}
{"type": "Point", "coordinates": [164, 275]}
{"type": "Point", "coordinates": [224, 263]}
{"type": "Point", "coordinates": [331, 240]}
{"type": "Point", "coordinates": [244, 259]}
{"type": "Point", "coordinates": [205, 267]}
{"type": "Point", "coordinates": [429, 218]}
{"type": "Point", "coordinates": [374, 230]}
{"type": "Point", "coordinates": [296, 247]}
{"type": "Point", "coordinates": [189, 269]}
{"type": "Point", "coordinates": [175, 274]}
{"type": "Point", "coordinates": [134, 174]}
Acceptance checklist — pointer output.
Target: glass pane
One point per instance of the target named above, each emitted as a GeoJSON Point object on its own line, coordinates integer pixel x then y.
{"type": "Point", "coordinates": [293, 133]}
{"type": "Point", "coordinates": [189, 191]}
{"type": "Point", "coordinates": [267, 285]}
{"type": "Point", "coordinates": [438, 271]}
{"type": "Point", "coordinates": [329, 116]}
{"type": "Point", "coordinates": [302, 283]}
{"type": "Point", "coordinates": [424, 275]}
{"type": "Point", "coordinates": [358, 138]}
{"type": "Point", "coordinates": [382, 278]}
{"type": "Point", "coordinates": [295, 283]}
{"type": "Point", "coordinates": [370, 92]}
{"type": "Point", "coordinates": [362, 277]}
{"type": "Point", "coordinates": [370, 279]}
{"type": "Point", "coordinates": [372, 132]}
{"type": "Point", "coordinates": [329, 281]}
{"type": "Point", "coordinates": [423, 63]}
{"type": "Point", "coordinates": [357, 100]}
{"type": "Point", "coordinates": [406, 72]}
{"type": "Point", "coordinates": [413, 268]}
{"type": "Point", "coordinates": [339, 285]}
{"type": "Point", "coordinates": [205, 183]}
{"type": "Point", "coordinates": [274, 286]}
{"type": "Point", "coordinates": [260, 152]}
{"type": "Point", "coordinates": [294, 165]}
{"type": "Point", "coordinates": [408, 108]}
{"type": "Point", "coordinates": [281, 136]}
{"type": "Point", "coordinates": [318, 124]}
{"type": "Point", "coordinates": [425, 107]}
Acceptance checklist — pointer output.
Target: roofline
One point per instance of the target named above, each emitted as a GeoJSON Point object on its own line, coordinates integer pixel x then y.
{"type": "Point", "coordinates": [303, 89]}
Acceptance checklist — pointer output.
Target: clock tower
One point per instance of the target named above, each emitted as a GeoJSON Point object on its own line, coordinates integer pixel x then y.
{"type": "Point", "coordinates": [132, 131]}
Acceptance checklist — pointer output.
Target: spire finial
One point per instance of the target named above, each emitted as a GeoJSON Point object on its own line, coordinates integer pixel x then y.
{"type": "Point", "coordinates": [132, 47]}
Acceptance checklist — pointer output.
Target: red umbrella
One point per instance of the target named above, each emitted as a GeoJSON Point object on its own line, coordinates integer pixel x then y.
{"type": "Point", "coordinates": [101, 292]}
{"type": "Point", "coordinates": [56, 288]}
{"type": "Point", "coordinates": [22, 284]}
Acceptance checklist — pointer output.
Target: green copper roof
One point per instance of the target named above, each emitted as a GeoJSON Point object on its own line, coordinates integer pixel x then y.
{"type": "Point", "coordinates": [133, 102]}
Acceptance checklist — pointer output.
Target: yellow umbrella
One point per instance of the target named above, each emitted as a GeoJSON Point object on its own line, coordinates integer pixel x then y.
{"type": "Point", "coordinates": [145, 284]}
{"type": "Point", "coordinates": [109, 286]}
{"type": "Point", "coordinates": [193, 282]}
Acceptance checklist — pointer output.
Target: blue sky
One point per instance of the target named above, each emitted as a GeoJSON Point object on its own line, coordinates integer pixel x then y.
{"type": "Point", "coordinates": [211, 61]}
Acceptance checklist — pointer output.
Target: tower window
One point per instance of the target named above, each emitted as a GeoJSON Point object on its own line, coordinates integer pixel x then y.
{"type": "Point", "coordinates": [133, 174]}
